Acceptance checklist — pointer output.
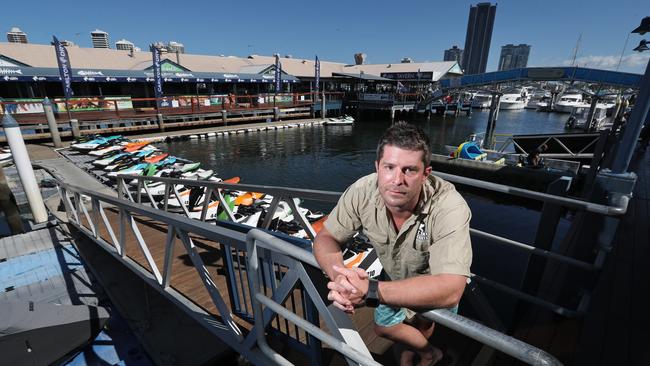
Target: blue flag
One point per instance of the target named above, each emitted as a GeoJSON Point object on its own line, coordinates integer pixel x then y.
{"type": "Point", "coordinates": [64, 68]}
{"type": "Point", "coordinates": [278, 74]}
{"type": "Point", "coordinates": [317, 74]}
{"type": "Point", "coordinates": [157, 75]}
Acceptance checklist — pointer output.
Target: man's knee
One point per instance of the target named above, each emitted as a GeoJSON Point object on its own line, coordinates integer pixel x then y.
{"type": "Point", "coordinates": [382, 331]}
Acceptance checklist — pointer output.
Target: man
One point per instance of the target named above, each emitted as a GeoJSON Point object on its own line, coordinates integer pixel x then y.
{"type": "Point", "coordinates": [419, 226]}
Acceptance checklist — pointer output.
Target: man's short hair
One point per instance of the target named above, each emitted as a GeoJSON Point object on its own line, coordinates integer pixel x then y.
{"type": "Point", "coordinates": [408, 137]}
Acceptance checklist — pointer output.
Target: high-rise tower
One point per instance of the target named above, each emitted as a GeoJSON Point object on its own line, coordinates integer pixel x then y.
{"type": "Point", "coordinates": [477, 40]}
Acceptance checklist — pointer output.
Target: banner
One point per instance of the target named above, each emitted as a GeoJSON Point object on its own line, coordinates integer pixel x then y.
{"type": "Point", "coordinates": [157, 76]}
{"type": "Point", "coordinates": [278, 74]}
{"type": "Point", "coordinates": [64, 68]}
{"type": "Point", "coordinates": [317, 73]}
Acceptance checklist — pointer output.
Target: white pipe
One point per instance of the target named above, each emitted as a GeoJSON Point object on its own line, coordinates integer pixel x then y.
{"type": "Point", "coordinates": [24, 167]}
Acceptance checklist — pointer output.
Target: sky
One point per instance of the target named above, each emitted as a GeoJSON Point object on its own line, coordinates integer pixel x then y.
{"type": "Point", "coordinates": [386, 31]}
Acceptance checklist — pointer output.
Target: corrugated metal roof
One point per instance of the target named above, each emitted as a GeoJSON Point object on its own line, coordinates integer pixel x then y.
{"type": "Point", "coordinates": [36, 55]}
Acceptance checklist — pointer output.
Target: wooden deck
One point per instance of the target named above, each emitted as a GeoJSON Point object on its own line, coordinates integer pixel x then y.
{"type": "Point", "coordinates": [617, 324]}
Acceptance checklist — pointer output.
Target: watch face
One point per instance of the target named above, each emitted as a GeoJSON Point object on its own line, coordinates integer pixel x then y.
{"type": "Point", "coordinates": [372, 302]}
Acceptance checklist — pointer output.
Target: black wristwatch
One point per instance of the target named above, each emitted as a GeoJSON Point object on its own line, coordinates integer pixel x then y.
{"type": "Point", "coordinates": [372, 297]}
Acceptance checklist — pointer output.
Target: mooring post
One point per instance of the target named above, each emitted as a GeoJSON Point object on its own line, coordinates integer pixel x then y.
{"type": "Point", "coordinates": [161, 122]}
{"type": "Point", "coordinates": [51, 122]}
{"type": "Point", "coordinates": [74, 126]}
{"type": "Point", "coordinates": [276, 113]}
{"type": "Point", "coordinates": [492, 119]}
{"type": "Point", "coordinates": [24, 167]}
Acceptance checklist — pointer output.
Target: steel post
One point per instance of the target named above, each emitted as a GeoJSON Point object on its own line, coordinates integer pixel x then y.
{"type": "Point", "coordinates": [24, 166]}
{"type": "Point", "coordinates": [633, 126]}
{"type": "Point", "coordinates": [323, 106]}
{"type": "Point", "coordinates": [51, 122]}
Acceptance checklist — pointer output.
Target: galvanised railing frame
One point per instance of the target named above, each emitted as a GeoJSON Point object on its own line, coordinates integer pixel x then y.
{"type": "Point", "coordinates": [341, 327]}
{"type": "Point", "coordinates": [259, 242]}
{"type": "Point", "coordinates": [290, 195]}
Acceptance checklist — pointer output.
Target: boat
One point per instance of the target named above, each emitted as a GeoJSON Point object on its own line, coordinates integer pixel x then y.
{"type": "Point", "coordinates": [580, 115]}
{"type": "Point", "coordinates": [340, 121]}
{"type": "Point", "coordinates": [107, 150]}
{"type": "Point", "coordinates": [481, 100]}
{"type": "Point", "coordinates": [536, 98]}
{"type": "Point", "coordinates": [96, 143]}
{"type": "Point", "coordinates": [515, 99]}
{"type": "Point", "coordinates": [469, 150]}
{"type": "Point", "coordinates": [568, 101]}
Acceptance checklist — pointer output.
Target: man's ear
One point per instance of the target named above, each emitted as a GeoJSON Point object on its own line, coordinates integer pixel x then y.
{"type": "Point", "coordinates": [376, 166]}
{"type": "Point", "coordinates": [428, 171]}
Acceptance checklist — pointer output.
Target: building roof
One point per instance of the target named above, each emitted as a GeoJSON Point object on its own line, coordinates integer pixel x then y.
{"type": "Point", "coordinates": [38, 55]}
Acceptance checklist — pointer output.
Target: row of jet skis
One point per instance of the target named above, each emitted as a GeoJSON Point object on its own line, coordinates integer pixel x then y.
{"type": "Point", "coordinates": [117, 155]}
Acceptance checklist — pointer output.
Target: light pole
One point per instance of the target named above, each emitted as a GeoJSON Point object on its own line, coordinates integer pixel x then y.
{"type": "Point", "coordinates": [639, 114]}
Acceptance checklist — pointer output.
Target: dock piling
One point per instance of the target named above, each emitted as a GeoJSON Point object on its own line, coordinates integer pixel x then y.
{"type": "Point", "coordinates": [74, 126]}
{"type": "Point", "coordinates": [24, 167]}
{"type": "Point", "coordinates": [51, 122]}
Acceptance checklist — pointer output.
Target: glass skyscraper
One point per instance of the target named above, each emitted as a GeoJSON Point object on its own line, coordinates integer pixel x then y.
{"type": "Point", "coordinates": [478, 38]}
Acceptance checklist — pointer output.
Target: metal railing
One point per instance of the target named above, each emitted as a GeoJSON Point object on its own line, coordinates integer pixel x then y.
{"type": "Point", "coordinates": [278, 276]}
{"type": "Point", "coordinates": [292, 197]}
{"type": "Point", "coordinates": [181, 226]}
{"type": "Point", "coordinates": [258, 240]}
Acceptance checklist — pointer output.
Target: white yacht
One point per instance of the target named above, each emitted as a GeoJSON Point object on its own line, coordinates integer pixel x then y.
{"type": "Point", "coordinates": [481, 100]}
{"type": "Point", "coordinates": [568, 102]}
{"type": "Point", "coordinates": [515, 99]}
{"type": "Point", "coordinates": [535, 99]}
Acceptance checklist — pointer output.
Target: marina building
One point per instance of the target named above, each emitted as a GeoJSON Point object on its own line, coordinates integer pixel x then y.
{"type": "Point", "coordinates": [454, 54]}
{"type": "Point", "coordinates": [124, 45]}
{"type": "Point", "coordinates": [175, 47]}
{"type": "Point", "coordinates": [31, 71]}
{"type": "Point", "coordinates": [15, 35]}
{"type": "Point", "coordinates": [513, 56]}
{"type": "Point", "coordinates": [478, 38]}
{"type": "Point", "coordinates": [99, 38]}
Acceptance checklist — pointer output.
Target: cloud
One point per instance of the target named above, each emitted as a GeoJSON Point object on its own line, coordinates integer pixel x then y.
{"type": "Point", "coordinates": [635, 61]}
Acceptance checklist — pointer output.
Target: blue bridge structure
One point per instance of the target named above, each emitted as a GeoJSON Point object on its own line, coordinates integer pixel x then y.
{"type": "Point", "coordinates": [569, 74]}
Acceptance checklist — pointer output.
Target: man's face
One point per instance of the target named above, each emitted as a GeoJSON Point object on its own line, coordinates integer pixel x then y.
{"type": "Point", "coordinates": [400, 176]}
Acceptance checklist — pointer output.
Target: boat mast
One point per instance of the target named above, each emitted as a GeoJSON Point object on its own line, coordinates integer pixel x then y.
{"type": "Point", "coordinates": [575, 50]}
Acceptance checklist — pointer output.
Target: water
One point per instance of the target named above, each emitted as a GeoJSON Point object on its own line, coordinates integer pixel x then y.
{"type": "Point", "coordinates": [332, 157]}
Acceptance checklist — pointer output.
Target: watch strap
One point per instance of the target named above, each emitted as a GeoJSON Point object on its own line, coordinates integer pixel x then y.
{"type": "Point", "coordinates": [372, 296]}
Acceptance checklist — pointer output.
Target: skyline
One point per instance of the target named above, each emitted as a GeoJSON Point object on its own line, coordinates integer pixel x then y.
{"type": "Point", "coordinates": [337, 30]}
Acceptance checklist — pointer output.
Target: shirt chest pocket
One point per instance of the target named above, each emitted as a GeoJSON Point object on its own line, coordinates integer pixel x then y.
{"type": "Point", "coordinates": [414, 262]}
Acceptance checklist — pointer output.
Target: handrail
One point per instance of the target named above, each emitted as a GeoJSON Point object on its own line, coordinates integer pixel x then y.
{"type": "Point", "coordinates": [488, 336]}
{"type": "Point", "coordinates": [597, 208]}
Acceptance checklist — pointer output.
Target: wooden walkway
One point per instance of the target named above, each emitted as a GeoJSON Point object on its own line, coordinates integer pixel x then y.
{"type": "Point", "coordinates": [617, 327]}
{"type": "Point", "coordinates": [617, 324]}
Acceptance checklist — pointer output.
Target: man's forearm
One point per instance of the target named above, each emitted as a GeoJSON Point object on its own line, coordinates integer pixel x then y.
{"type": "Point", "coordinates": [423, 292]}
{"type": "Point", "coordinates": [328, 253]}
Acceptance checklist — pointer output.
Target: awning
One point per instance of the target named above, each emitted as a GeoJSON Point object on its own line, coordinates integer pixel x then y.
{"type": "Point", "coordinates": [362, 76]}
{"type": "Point", "coordinates": [107, 76]}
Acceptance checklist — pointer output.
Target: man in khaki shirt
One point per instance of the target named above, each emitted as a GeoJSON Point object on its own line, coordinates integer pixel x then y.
{"type": "Point", "coordinates": [418, 225]}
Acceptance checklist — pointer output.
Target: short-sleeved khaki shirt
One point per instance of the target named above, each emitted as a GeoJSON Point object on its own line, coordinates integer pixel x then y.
{"type": "Point", "coordinates": [434, 240]}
